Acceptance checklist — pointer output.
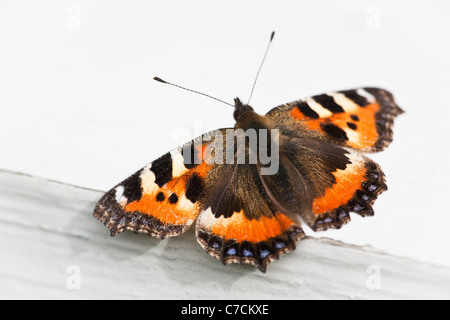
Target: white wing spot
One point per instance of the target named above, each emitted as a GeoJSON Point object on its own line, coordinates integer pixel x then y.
{"type": "Point", "coordinates": [366, 95]}
{"type": "Point", "coordinates": [347, 104]}
{"type": "Point", "coordinates": [317, 107]}
{"type": "Point", "coordinates": [120, 199]}
{"type": "Point", "coordinates": [178, 168]}
{"type": "Point", "coordinates": [148, 180]}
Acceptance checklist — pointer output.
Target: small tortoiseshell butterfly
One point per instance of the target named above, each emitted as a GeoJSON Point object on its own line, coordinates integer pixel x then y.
{"type": "Point", "coordinates": [247, 217]}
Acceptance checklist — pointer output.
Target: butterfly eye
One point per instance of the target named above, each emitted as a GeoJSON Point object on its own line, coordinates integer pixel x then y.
{"type": "Point", "coordinates": [240, 110]}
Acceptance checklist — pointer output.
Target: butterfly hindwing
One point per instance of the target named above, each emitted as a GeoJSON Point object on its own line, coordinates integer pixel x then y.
{"type": "Point", "coordinates": [339, 181]}
{"type": "Point", "coordinates": [360, 118]}
{"type": "Point", "coordinates": [242, 223]}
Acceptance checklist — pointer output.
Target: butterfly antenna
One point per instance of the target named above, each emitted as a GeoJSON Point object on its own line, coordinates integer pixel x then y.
{"type": "Point", "coordinates": [260, 66]}
{"type": "Point", "coordinates": [201, 93]}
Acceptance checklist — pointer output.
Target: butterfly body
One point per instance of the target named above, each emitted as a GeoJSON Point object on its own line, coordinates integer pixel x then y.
{"type": "Point", "coordinates": [248, 201]}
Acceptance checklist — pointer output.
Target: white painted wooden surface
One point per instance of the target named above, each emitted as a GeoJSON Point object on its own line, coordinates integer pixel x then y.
{"type": "Point", "coordinates": [52, 247]}
{"type": "Point", "coordinates": [78, 105]}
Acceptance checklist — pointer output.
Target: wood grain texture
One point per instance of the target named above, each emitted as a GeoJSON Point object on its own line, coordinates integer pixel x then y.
{"type": "Point", "coordinates": [46, 227]}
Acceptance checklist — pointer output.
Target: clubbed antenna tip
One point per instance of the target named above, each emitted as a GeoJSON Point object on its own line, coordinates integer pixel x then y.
{"type": "Point", "coordinates": [159, 79]}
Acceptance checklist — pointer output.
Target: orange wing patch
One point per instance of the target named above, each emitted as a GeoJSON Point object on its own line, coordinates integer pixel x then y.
{"type": "Point", "coordinates": [171, 203]}
{"type": "Point", "coordinates": [360, 118]}
{"type": "Point", "coordinates": [358, 128]}
{"type": "Point", "coordinates": [355, 189]}
{"type": "Point", "coordinates": [240, 228]}
{"type": "Point", "coordinates": [347, 182]}
{"type": "Point", "coordinates": [162, 199]}
{"type": "Point", "coordinates": [238, 239]}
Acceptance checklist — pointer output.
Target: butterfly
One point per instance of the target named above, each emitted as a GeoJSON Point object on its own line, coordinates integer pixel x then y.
{"type": "Point", "coordinates": [244, 216]}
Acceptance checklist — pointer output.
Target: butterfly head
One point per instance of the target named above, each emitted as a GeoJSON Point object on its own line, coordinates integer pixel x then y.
{"type": "Point", "coordinates": [240, 109]}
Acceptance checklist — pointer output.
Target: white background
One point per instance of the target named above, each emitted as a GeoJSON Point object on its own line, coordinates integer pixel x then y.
{"type": "Point", "coordinates": [78, 103]}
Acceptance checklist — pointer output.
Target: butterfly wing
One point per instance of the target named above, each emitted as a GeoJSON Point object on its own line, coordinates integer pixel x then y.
{"type": "Point", "coordinates": [360, 118]}
{"type": "Point", "coordinates": [163, 198]}
{"type": "Point", "coordinates": [339, 180]}
{"type": "Point", "coordinates": [242, 222]}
